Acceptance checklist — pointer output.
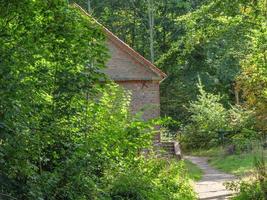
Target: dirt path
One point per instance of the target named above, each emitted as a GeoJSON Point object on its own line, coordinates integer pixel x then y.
{"type": "Point", "coordinates": [210, 187]}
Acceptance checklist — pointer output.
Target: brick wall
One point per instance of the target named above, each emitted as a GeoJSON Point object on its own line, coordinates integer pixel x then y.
{"type": "Point", "coordinates": [144, 97]}
{"type": "Point", "coordinates": [122, 66]}
{"type": "Point", "coordinates": [140, 80]}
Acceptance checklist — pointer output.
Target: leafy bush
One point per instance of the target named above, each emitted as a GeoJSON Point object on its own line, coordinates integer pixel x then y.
{"type": "Point", "coordinates": [248, 191]}
{"type": "Point", "coordinates": [153, 179]}
{"type": "Point", "coordinates": [242, 122]}
{"type": "Point", "coordinates": [254, 189]}
{"type": "Point", "coordinates": [103, 159]}
{"type": "Point", "coordinates": [209, 118]}
{"type": "Point", "coordinates": [243, 141]}
{"type": "Point", "coordinates": [240, 118]}
{"type": "Point", "coordinates": [69, 164]}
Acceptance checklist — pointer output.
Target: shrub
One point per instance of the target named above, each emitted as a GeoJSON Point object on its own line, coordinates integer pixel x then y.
{"type": "Point", "coordinates": [101, 159]}
{"type": "Point", "coordinates": [247, 191]}
{"type": "Point", "coordinates": [240, 118]}
{"type": "Point", "coordinates": [207, 117]}
{"type": "Point", "coordinates": [254, 189]}
{"type": "Point", "coordinates": [47, 51]}
{"type": "Point", "coordinates": [153, 179]}
{"type": "Point", "coordinates": [242, 122]}
{"type": "Point", "coordinates": [244, 140]}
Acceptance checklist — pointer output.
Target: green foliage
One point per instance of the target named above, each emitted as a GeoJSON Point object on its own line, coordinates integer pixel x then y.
{"type": "Point", "coordinates": [130, 21]}
{"type": "Point", "coordinates": [248, 191]}
{"type": "Point", "coordinates": [207, 117]}
{"type": "Point", "coordinates": [153, 179]}
{"type": "Point", "coordinates": [243, 141]}
{"type": "Point", "coordinates": [256, 188]}
{"type": "Point", "coordinates": [211, 152]}
{"type": "Point", "coordinates": [240, 117]}
{"type": "Point", "coordinates": [72, 164]}
{"type": "Point", "coordinates": [207, 111]}
{"type": "Point", "coordinates": [221, 39]}
{"type": "Point", "coordinates": [243, 122]}
{"type": "Point", "coordinates": [103, 161]}
{"type": "Point", "coordinates": [238, 164]}
{"type": "Point", "coordinates": [252, 81]}
{"type": "Point", "coordinates": [62, 136]}
{"type": "Point", "coordinates": [46, 54]}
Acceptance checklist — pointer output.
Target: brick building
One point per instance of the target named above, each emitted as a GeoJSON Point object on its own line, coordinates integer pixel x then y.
{"type": "Point", "coordinates": [142, 78]}
{"type": "Point", "coordinates": [138, 75]}
{"type": "Point", "coordinates": [134, 73]}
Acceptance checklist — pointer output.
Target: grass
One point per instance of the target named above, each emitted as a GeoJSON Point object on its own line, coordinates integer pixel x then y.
{"type": "Point", "coordinates": [212, 152]}
{"type": "Point", "coordinates": [237, 164]}
{"type": "Point", "coordinates": [194, 172]}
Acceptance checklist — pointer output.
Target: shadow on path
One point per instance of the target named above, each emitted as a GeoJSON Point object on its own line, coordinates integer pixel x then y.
{"type": "Point", "coordinates": [211, 187]}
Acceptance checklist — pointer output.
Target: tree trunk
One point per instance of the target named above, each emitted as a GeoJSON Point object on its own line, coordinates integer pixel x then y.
{"type": "Point", "coordinates": [89, 9]}
{"type": "Point", "coordinates": [151, 28]}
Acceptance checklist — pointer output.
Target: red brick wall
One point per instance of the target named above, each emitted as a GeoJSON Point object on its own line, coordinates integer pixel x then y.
{"type": "Point", "coordinates": [121, 66]}
{"type": "Point", "coordinates": [141, 81]}
{"type": "Point", "coordinates": [144, 97]}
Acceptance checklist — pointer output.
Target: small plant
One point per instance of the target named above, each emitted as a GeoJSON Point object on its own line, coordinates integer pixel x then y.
{"type": "Point", "coordinates": [256, 187]}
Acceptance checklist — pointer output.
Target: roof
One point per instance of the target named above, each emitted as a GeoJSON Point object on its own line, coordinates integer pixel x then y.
{"type": "Point", "coordinates": [126, 48]}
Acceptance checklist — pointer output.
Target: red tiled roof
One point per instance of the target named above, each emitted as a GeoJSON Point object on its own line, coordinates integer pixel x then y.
{"type": "Point", "coordinates": [134, 54]}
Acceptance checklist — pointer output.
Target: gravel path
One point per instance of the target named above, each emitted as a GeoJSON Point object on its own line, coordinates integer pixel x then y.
{"type": "Point", "coordinates": [210, 187]}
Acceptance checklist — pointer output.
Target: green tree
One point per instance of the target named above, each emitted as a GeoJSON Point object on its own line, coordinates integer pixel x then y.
{"type": "Point", "coordinates": [216, 42]}
{"type": "Point", "coordinates": [50, 58]}
{"type": "Point", "coordinates": [252, 81]}
{"type": "Point", "coordinates": [130, 21]}
{"type": "Point", "coordinates": [207, 117]}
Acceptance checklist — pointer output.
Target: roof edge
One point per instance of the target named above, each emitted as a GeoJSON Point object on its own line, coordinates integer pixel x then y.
{"type": "Point", "coordinates": [143, 61]}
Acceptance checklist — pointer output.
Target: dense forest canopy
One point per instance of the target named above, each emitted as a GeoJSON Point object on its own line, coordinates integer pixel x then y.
{"type": "Point", "coordinates": [130, 21]}
{"type": "Point", "coordinates": [221, 38]}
